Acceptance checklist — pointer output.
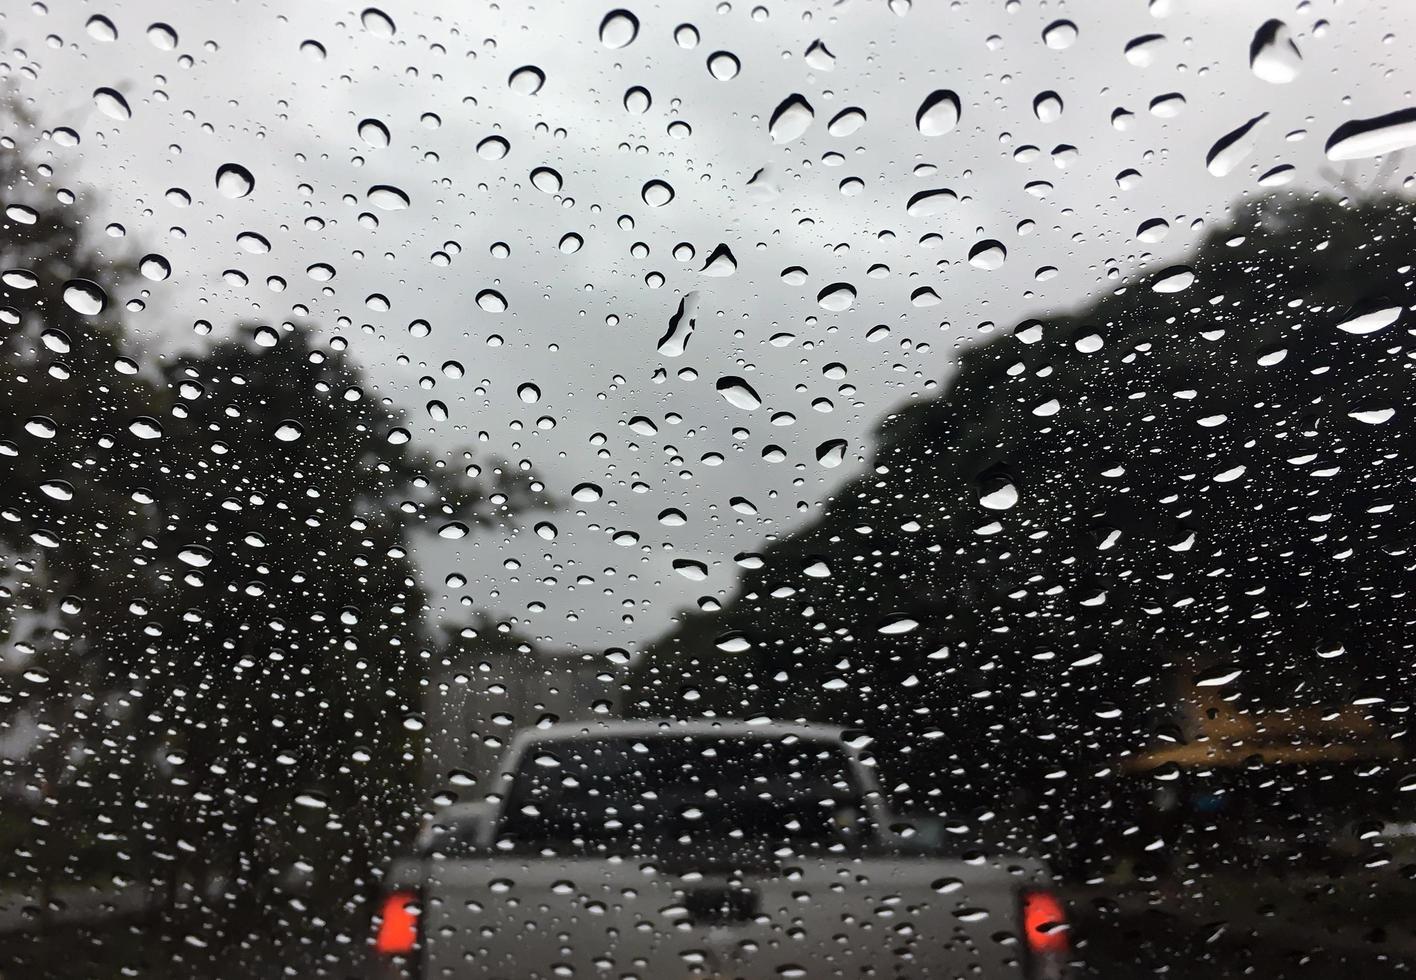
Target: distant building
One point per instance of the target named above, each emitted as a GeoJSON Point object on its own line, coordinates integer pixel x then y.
{"type": "Point", "coordinates": [488, 685]}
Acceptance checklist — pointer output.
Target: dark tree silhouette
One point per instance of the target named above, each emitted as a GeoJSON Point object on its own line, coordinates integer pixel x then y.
{"type": "Point", "coordinates": [1102, 510]}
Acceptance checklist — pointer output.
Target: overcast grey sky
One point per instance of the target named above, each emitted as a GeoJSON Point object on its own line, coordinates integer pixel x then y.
{"type": "Point", "coordinates": [241, 86]}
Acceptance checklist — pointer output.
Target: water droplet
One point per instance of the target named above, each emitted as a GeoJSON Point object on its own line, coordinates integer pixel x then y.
{"type": "Point", "coordinates": [1167, 106]}
{"type": "Point", "coordinates": [836, 297]}
{"type": "Point", "coordinates": [638, 99]}
{"type": "Point", "coordinates": [1174, 279]}
{"type": "Point", "coordinates": [586, 493]}
{"type": "Point", "coordinates": [988, 255]}
{"type": "Point", "coordinates": [1047, 106]}
{"type": "Point", "coordinates": [1273, 55]}
{"type": "Point", "coordinates": [100, 28]}
{"type": "Point", "coordinates": [162, 36]}
{"type": "Point", "coordinates": [1373, 137]}
{"type": "Point", "coordinates": [686, 36]}
{"type": "Point", "coordinates": [65, 136]}
{"type": "Point", "coordinates": [927, 204]}
{"type": "Point", "coordinates": [657, 193]}
{"type": "Point", "coordinates": [790, 119]}
{"type": "Point", "coordinates": [289, 431]}
{"type": "Point", "coordinates": [998, 493]}
{"type": "Point", "coordinates": [453, 530]}
{"type": "Point", "coordinates": [897, 624]}
{"type": "Point", "coordinates": [145, 427]}
{"type": "Point", "coordinates": [253, 243]}
{"type": "Point", "coordinates": [619, 29]}
{"type": "Point", "coordinates": [313, 801]}
{"type": "Point", "coordinates": [831, 453]}
{"type": "Point", "coordinates": [546, 180]}
{"type": "Point", "coordinates": [694, 571]}
{"type": "Point", "coordinates": [320, 272]}
{"type": "Point", "coordinates": [154, 267]}
{"type": "Point", "coordinates": [528, 393]}
{"type": "Point", "coordinates": [1060, 35]}
{"type": "Point", "coordinates": [724, 65]}
{"type": "Point", "coordinates": [374, 133]}
{"type": "Point", "coordinates": [819, 57]}
{"type": "Point", "coordinates": [85, 297]}
{"type": "Point", "coordinates": [1231, 148]}
{"type": "Point", "coordinates": [1371, 321]}
{"type": "Point", "coordinates": [493, 148]}
{"type": "Point", "coordinates": [58, 489]}
{"type": "Point", "coordinates": [938, 113]}
{"type": "Point", "coordinates": [491, 301]}
{"type": "Point", "coordinates": [1372, 416]}
{"type": "Point", "coordinates": [41, 427]}
{"type": "Point", "coordinates": [437, 411]}
{"type": "Point", "coordinates": [1152, 230]}
{"type": "Point", "coordinates": [387, 197]}
{"type": "Point", "coordinates": [738, 393]}
{"type": "Point", "coordinates": [733, 642]}
{"type": "Point", "coordinates": [377, 23]}
{"type": "Point", "coordinates": [571, 243]}
{"type": "Point", "coordinates": [681, 327]}
{"type": "Point", "coordinates": [1142, 51]}
{"type": "Point", "coordinates": [196, 556]}
{"type": "Point", "coordinates": [526, 80]}
{"type": "Point", "coordinates": [112, 104]}
{"type": "Point", "coordinates": [721, 263]}
{"type": "Point", "coordinates": [846, 122]}
{"type": "Point", "coordinates": [313, 50]}
{"type": "Point", "coordinates": [234, 180]}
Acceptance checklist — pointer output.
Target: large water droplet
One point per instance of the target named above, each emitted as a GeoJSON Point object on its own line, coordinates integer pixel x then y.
{"type": "Point", "coordinates": [681, 326]}
{"type": "Point", "coordinates": [545, 179]}
{"type": "Point", "coordinates": [1371, 321]}
{"type": "Point", "coordinates": [387, 197]}
{"type": "Point", "coordinates": [493, 148]}
{"type": "Point", "coordinates": [1059, 35]}
{"type": "Point", "coordinates": [619, 29]}
{"type": "Point", "coordinates": [1373, 137]}
{"type": "Point", "coordinates": [831, 453]}
{"type": "Point", "coordinates": [1047, 106]}
{"type": "Point", "coordinates": [927, 204]}
{"type": "Point", "coordinates": [1273, 54]}
{"type": "Point", "coordinates": [196, 556]}
{"type": "Point", "coordinates": [721, 263]}
{"type": "Point", "coordinates": [85, 297]}
{"type": "Point", "coordinates": [162, 36]}
{"type": "Point", "coordinates": [1231, 148]}
{"type": "Point", "coordinates": [374, 133]}
{"type": "Point", "coordinates": [526, 80]}
{"type": "Point", "coordinates": [819, 57]}
{"type": "Point", "coordinates": [234, 180]}
{"type": "Point", "coordinates": [1174, 279]}
{"type": "Point", "coordinates": [846, 122]}
{"type": "Point", "coordinates": [145, 427]}
{"type": "Point", "coordinates": [1142, 51]}
{"type": "Point", "coordinates": [377, 23]}
{"type": "Point", "coordinates": [100, 28]}
{"type": "Point", "coordinates": [289, 430]}
{"type": "Point", "coordinates": [836, 297]}
{"type": "Point", "coordinates": [988, 255]}
{"type": "Point", "coordinates": [724, 65]}
{"type": "Point", "coordinates": [571, 242]}
{"type": "Point", "coordinates": [938, 113]}
{"type": "Point", "coordinates": [154, 267]}
{"type": "Point", "coordinates": [638, 99]}
{"type": "Point", "coordinates": [112, 104]}
{"type": "Point", "coordinates": [738, 393]}
{"type": "Point", "coordinates": [790, 119]}
{"type": "Point", "coordinates": [491, 301]}
{"type": "Point", "coordinates": [657, 193]}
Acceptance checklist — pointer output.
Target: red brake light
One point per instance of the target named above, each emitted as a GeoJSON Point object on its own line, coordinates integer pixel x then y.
{"type": "Point", "coordinates": [1045, 923]}
{"type": "Point", "coordinates": [398, 930]}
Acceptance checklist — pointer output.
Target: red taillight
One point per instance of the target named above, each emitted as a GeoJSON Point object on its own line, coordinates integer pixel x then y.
{"type": "Point", "coordinates": [1045, 923]}
{"type": "Point", "coordinates": [398, 928]}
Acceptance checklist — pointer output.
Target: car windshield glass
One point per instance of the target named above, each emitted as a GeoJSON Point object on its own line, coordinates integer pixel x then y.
{"type": "Point", "coordinates": [676, 790]}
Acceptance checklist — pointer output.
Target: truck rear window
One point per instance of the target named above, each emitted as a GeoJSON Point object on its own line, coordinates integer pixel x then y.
{"type": "Point", "coordinates": [644, 794]}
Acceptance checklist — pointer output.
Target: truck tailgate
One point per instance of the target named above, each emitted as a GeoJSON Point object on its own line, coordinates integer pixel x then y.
{"type": "Point", "coordinates": [811, 917]}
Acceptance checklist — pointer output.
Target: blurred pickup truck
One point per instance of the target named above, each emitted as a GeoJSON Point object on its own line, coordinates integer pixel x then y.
{"type": "Point", "coordinates": [665, 850]}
